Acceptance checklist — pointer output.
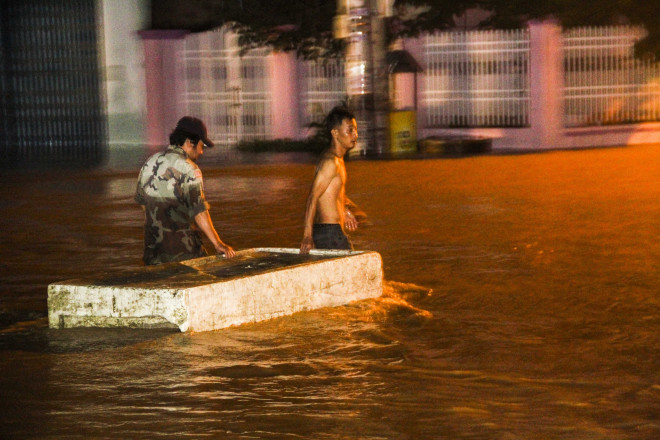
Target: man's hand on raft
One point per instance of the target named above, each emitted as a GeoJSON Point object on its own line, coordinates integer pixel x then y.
{"type": "Point", "coordinates": [306, 245]}
{"type": "Point", "coordinates": [227, 250]}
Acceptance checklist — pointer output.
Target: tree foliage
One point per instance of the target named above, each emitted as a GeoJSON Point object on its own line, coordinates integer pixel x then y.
{"type": "Point", "coordinates": [305, 26]}
{"type": "Point", "coordinates": [412, 18]}
{"type": "Point", "coordinates": [503, 14]}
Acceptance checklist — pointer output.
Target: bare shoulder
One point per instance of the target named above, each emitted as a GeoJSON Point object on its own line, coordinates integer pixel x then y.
{"type": "Point", "coordinates": [327, 164]}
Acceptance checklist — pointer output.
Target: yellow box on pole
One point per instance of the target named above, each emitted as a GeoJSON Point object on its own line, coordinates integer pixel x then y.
{"type": "Point", "coordinates": [403, 131]}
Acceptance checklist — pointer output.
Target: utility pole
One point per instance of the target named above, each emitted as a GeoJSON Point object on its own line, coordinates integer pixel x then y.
{"type": "Point", "coordinates": [362, 24]}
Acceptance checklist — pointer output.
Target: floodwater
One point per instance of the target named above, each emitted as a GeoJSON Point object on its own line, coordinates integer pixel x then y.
{"type": "Point", "coordinates": [522, 302]}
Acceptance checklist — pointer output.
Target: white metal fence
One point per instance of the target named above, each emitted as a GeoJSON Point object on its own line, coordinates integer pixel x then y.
{"type": "Point", "coordinates": [604, 82]}
{"type": "Point", "coordinates": [471, 79]}
{"type": "Point", "coordinates": [322, 88]}
{"type": "Point", "coordinates": [231, 93]}
{"type": "Point", "coordinates": [478, 78]}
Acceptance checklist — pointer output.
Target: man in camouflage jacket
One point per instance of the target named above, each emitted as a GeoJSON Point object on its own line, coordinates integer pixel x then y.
{"type": "Point", "coordinates": [171, 191]}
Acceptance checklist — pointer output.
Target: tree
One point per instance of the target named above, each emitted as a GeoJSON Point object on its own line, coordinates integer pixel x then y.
{"type": "Point", "coordinates": [306, 25]}
{"type": "Point", "coordinates": [506, 14]}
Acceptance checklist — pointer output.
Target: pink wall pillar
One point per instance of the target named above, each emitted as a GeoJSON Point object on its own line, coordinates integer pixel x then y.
{"type": "Point", "coordinates": [285, 95]}
{"type": "Point", "coordinates": [162, 50]}
{"type": "Point", "coordinates": [546, 85]}
{"type": "Point", "coordinates": [404, 90]}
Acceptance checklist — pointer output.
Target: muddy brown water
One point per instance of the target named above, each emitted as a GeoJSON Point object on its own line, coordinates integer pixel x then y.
{"type": "Point", "coordinates": [522, 302]}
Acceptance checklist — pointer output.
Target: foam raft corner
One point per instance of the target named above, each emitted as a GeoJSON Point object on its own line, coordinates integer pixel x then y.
{"type": "Point", "coordinates": [211, 293]}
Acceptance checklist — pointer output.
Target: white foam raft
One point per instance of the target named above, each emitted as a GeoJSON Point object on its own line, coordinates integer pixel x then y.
{"type": "Point", "coordinates": [212, 292]}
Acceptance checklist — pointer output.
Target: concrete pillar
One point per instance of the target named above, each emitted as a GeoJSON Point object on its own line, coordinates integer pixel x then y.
{"type": "Point", "coordinates": [403, 91]}
{"type": "Point", "coordinates": [546, 85]}
{"type": "Point", "coordinates": [124, 68]}
{"type": "Point", "coordinates": [380, 72]}
{"type": "Point", "coordinates": [285, 100]}
{"type": "Point", "coordinates": [366, 72]}
{"type": "Point", "coordinates": [162, 52]}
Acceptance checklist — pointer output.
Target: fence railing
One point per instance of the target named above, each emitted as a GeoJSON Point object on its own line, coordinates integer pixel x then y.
{"type": "Point", "coordinates": [230, 92]}
{"type": "Point", "coordinates": [470, 79]}
{"type": "Point", "coordinates": [50, 83]}
{"type": "Point", "coordinates": [478, 78]}
{"type": "Point", "coordinates": [604, 82]}
{"type": "Point", "coordinates": [322, 87]}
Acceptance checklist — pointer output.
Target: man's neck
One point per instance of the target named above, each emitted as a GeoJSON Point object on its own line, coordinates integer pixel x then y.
{"type": "Point", "coordinates": [337, 151]}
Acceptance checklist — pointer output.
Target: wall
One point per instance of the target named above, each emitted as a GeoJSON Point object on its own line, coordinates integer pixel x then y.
{"type": "Point", "coordinates": [124, 64]}
{"type": "Point", "coordinates": [546, 129]}
{"type": "Point", "coordinates": [52, 108]}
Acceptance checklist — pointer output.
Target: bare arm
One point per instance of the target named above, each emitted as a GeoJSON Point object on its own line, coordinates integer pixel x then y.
{"type": "Point", "coordinates": [326, 172]}
{"type": "Point", "coordinates": [354, 215]}
{"type": "Point", "coordinates": [203, 220]}
{"type": "Point", "coordinates": [350, 210]}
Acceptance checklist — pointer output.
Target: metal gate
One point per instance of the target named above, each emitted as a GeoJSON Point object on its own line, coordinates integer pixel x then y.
{"type": "Point", "coordinates": [477, 79]}
{"type": "Point", "coordinates": [229, 92]}
{"type": "Point", "coordinates": [322, 88]}
{"type": "Point", "coordinates": [50, 87]}
{"type": "Point", "coordinates": [604, 82]}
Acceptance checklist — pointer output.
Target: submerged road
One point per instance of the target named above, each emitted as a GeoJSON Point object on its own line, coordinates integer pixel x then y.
{"type": "Point", "coordinates": [521, 302]}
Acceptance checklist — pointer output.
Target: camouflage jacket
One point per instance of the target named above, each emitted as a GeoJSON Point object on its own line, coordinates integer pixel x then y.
{"type": "Point", "coordinates": [171, 190]}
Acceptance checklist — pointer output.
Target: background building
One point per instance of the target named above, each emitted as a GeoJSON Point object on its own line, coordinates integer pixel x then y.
{"type": "Point", "coordinates": [80, 77]}
{"type": "Point", "coordinates": [71, 79]}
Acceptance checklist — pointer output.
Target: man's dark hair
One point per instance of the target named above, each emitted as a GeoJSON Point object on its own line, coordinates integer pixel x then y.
{"type": "Point", "coordinates": [335, 118]}
{"type": "Point", "coordinates": [178, 138]}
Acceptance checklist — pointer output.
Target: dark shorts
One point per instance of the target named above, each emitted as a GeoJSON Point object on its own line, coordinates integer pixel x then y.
{"type": "Point", "coordinates": [330, 236]}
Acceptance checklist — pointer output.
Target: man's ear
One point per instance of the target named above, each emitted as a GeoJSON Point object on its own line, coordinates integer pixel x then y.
{"type": "Point", "coordinates": [334, 133]}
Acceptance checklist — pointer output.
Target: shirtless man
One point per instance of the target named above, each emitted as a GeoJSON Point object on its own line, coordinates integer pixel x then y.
{"type": "Point", "coordinates": [327, 215]}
